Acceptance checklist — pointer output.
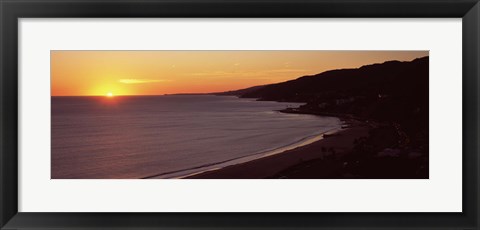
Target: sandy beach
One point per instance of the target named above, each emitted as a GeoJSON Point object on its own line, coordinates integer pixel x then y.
{"type": "Point", "coordinates": [283, 165]}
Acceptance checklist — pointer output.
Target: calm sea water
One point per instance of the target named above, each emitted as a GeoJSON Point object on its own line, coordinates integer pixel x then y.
{"type": "Point", "coordinates": [168, 136]}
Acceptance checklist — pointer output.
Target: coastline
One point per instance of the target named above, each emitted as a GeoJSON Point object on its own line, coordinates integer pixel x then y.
{"type": "Point", "coordinates": [359, 148]}
{"type": "Point", "coordinates": [276, 166]}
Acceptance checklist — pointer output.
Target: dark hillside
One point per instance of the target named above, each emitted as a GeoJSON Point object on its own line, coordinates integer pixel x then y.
{"type": "Point", "coordinates": [392, 91]}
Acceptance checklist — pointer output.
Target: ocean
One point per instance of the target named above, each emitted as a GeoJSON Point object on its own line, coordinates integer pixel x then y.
{"type": "Point", "coordinates": [170, 136]}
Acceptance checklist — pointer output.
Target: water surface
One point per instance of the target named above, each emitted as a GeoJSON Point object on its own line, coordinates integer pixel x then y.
{"type": "Point", "coordinates": [147, 136]}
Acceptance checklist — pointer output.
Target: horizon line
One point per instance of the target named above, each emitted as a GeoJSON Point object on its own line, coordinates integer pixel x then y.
{"type": "Point", "coordinates": [375, 63]}
{"type": "Point", "coordinates": [133, 95]}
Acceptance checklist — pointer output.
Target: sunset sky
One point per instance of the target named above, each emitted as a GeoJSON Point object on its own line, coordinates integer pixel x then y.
{"type": "Point", "coordinates": [78, 73]}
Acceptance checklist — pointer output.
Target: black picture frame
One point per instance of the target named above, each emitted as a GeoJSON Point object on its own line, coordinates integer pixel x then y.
{"type": "Point", "coordinates": [12, 10]}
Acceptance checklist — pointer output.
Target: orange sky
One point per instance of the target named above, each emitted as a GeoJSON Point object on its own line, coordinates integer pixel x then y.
{"type": "Point", "coordinates": [167, 72]}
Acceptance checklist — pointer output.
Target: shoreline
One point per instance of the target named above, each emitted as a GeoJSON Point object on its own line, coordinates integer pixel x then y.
{"type": "Point", "coordinates": [339, 153]}
{"type": "Point", "coordinates": [187, 173]}
{"type": "Point", "coordinates": [273, 166]}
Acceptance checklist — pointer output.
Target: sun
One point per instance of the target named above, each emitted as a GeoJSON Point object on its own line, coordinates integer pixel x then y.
{"type": "Point", "coordinates": [109, 94]}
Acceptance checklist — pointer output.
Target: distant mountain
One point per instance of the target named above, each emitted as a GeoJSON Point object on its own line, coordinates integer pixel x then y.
{"type": "Point", "coordinates": [392, 91]}
{"type": "Point", "coordinates": [240, 92]}
{"type": "Point", "coordinates": [386, 78]}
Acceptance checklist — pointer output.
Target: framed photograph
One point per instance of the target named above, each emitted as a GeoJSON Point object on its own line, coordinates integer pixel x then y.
{"type": "Point", "coordinates": [231, 114]}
